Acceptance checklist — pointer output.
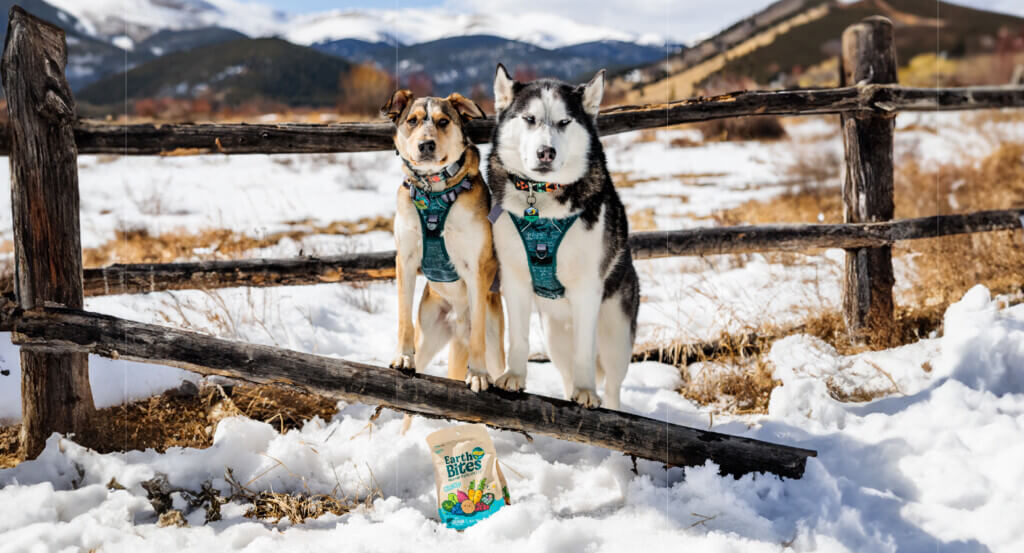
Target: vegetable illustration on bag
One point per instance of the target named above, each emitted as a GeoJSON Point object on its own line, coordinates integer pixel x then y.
{"type": "Point", "coordinates": [470, 485]}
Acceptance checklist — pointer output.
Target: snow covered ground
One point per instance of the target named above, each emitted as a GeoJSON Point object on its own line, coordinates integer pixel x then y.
{"type": "Point", "coordinates": [934, 465]}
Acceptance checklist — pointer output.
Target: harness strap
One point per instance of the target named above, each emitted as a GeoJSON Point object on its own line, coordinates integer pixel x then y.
{"type": "Point", "coordinates": [541, 238]}
{"type": "Point", "coordinates": [433, 209]}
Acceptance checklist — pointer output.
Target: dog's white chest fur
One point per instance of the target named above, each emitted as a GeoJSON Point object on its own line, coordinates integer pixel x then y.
{"type": "Point", "coordinates": [577, 261]}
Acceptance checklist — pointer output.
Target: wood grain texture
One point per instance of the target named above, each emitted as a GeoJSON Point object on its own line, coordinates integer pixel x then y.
{"type": "Point", "coordinates": [202, 275]}
{"type": "Point", "coordinates": [154, 277]}
{"type": "Point", "coordinates": [868, 56]}
{"type": "Point", "coordinates": [56, 396]}
{"type": "Point", "coordinates": [59, 329]}
{"type": "Point", "coordinates": [241, 138]}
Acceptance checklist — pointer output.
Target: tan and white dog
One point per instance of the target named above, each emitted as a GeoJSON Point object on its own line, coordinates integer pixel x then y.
{"type": "Point", "coordinates": [441, 228]}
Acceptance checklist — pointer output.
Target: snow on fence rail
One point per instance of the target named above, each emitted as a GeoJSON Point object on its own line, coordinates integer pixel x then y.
{"type": "Point", "coordinates": [44, 138]}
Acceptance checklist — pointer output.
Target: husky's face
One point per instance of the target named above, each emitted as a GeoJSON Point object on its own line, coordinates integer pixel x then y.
{"type": "Point", "coordinates": [544, 126]}
{"type": "Point", "coordinates": [429, 131]}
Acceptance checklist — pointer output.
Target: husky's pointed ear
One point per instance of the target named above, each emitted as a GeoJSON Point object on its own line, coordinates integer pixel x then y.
{"type": "Point", "coordinates": [504, 89]}
{"type": "Point", "coordinates": [396, 104]}
{"type": "Point", "coordinates": [592, 93]}
{"type": "Point", "coordinates": [467, 108]}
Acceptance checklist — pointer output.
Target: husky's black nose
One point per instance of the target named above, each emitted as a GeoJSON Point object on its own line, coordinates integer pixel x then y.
{"type": "Point", "coordinates": [427, 147]}
{"type": "Point", "coordinates": [545, 154]}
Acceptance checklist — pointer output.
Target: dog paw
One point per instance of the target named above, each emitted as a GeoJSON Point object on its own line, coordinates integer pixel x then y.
{"type": "Point", "coordinates": [403, 363]}
{"type": "Point", "coordinates": [477, 380]}
{"type": "Point", "coordinates": [511, 382]}
{"type": "Point", "coordinates": [586, 398]}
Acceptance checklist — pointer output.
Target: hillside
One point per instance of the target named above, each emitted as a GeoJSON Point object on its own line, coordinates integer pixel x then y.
{"type": "Point", "coordinates": [247, 69]}
{"type": "Point", "coordinates": [87, 56]}
{"type": "Point", "coordinates": [465, 62]}
{"type": "Point", "coordinates": [92, 57]}
{"type": "Point", "coordinates": [962, 31]}
{"type": "Point", "coordinates": [780, 42]}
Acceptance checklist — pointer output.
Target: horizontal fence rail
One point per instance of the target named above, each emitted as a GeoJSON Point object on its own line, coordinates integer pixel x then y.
{"type": "Point", "coordinates": [62, 330]}
{"type": "Point", "coordinates": [152, 277]}
{"type": "Point", "coordinates": [240, 138]}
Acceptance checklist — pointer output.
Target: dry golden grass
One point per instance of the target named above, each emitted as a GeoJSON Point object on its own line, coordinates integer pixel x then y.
{"type": "Point", "coordinates": [642, 219]}
{"type": "Point", "coordinates": [138, 246]}
{"type": "Point", "coordinates": [944, 268]}
{"type": "Point", "coordinates": [301, 506]}
{"type": "Point", "coordinates": [175, 420]}
{"type": "Point", "coordinates": [744, 389]}
{"type": "Point", "coordinates": [627, 180]}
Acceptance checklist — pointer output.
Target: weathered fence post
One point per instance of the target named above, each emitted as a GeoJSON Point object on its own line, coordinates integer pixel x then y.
{"type": "Point", "coordinates": [55, 391]}
{"type": "Point", "coordinates": [868, 57]}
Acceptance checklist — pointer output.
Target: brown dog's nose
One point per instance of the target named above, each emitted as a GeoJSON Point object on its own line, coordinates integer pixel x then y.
{"type": "Point", "coordinates": [546, 154]}
{"type": "Point", "coordinates": [427, 147]}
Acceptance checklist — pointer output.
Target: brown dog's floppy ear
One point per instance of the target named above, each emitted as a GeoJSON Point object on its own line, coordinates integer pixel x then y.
{"type": "Point", "coordinates": [467, 108]}
{"type": "Point", "coordinates": [396, 104]}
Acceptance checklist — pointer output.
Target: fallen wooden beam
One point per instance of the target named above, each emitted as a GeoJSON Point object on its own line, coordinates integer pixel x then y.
{"type": "Point", "coordinates": [152, 277]}
{"type": "Point", "coordinates": [293, 138]}
{"type": "Point", "coordinates": [63, 330]}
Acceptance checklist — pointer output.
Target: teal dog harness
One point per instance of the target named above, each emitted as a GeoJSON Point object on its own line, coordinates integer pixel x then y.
{"type": "Point", "coordinates": [541, 237]}
{"type": "Point", "coordinates": [433, 208]}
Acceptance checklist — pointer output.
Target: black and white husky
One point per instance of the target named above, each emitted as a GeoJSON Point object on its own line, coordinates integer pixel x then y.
{"type": "Point", "coordinates": [560, 233]}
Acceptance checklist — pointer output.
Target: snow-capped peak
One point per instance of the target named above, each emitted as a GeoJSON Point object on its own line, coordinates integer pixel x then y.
{"type": "Point", "coordinates": [137, 19]}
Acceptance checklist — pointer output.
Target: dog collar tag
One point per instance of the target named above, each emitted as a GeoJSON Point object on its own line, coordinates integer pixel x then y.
{"type": "Point", "coordinates": [531, 214]}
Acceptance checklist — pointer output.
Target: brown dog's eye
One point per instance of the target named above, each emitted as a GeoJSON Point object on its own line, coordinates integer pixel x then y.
{"type": "Point", "coordinates": [442, 123]}
{"type": "Point", "coordinates": [411, 121]}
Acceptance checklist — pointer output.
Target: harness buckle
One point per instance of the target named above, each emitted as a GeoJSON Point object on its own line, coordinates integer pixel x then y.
{"type": "Point", "coordinates": [432, 222]}
{"type": "Point", "coordinates": [542, 251]}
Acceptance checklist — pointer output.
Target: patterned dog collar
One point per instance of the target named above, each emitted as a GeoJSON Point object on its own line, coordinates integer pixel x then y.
{"type": "Point", "coordinates": [532, 185]}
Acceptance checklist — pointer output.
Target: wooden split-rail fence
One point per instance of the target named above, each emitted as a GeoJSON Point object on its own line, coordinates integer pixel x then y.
{"type": "Point", "coordinates": [47, 319]}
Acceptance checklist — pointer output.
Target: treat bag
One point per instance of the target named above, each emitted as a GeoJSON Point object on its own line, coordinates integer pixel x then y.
{"type": "Point", "coordinates": [470, 486]}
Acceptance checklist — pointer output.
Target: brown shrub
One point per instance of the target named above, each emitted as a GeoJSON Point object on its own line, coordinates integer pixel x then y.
{"type": "Point", "coordinates": [364, 89]}
{"type": "Point", "coordinates": [764, 127]}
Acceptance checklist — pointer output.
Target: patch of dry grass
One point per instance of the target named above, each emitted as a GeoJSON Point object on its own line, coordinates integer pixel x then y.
{"type": "Point", "coordinates": [627, 180]}
{"type": "Point", "coordinates": [943, 268]}
{"type": "Point", "coordinates": [300, 506]}
{"type": "Point", "coordinates": [179, 418]}
{"type": "Point", "coordinates": [642, 219]}
{"type": "Point", "coordinates": [742, 388]}
{"type": "Point", "coordinates": [138, 246]}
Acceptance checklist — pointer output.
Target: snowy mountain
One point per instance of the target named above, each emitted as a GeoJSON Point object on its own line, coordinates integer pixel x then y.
{"type": "Point", "coordinates": [413, 26]}
{"type": "Point", "coordinates": [130, 21]}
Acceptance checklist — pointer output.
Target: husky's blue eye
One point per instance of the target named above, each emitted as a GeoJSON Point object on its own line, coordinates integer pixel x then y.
{"type": "Point", "coordinates": [529, 119]}
{"type": "Point", "coordinates": [564, 123]}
